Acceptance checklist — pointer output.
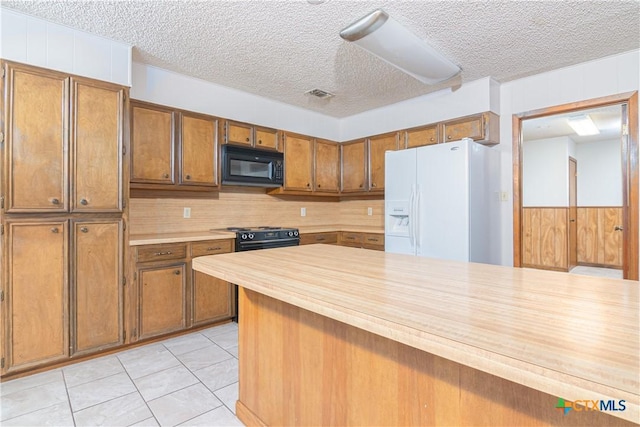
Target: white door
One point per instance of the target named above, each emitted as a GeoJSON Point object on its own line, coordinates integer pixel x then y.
{"type": "Point", "coordinates": [399, 184]}
{"type": "Point", "coordinates": [443, 190]}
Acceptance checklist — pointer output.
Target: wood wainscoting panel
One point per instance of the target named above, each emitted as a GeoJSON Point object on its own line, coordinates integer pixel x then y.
{"type": "Point", "coordinates": [599, 243]}
{"type": "Point", "coordinates": [544, 238]}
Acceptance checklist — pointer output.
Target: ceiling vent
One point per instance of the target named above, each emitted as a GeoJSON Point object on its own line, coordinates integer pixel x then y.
{"type": "Point", "coordinates": [319, 93]}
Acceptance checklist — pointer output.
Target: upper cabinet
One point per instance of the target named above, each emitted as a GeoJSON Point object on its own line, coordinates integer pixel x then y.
{"type": "Point", "coordinates": [249, 135]}
{"type": "Point", "coordinates": [378, 145]}
{"type": "Point", "coordinates": [418, 137]}
{"type": "Point", "coordinates": [326, 166]}
{"type": "Point", "coordinates": [64, 137]}
{"type": "Point", "coordinates": [298, 162]}
{"type": "Point", "coordinates": [198, 150]}
{"type": "Point", "coordinates": [159, 136]}
{"type": "Point", "coordinates": [353, 166]}
{"type": "Point", "coordinates": [152, 144]}
{"type": "Point", "coordinates": [483, 128]}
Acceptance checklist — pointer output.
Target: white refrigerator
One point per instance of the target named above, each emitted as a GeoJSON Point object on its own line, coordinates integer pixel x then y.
{"type": "Point", "coordinates": [443, 201]}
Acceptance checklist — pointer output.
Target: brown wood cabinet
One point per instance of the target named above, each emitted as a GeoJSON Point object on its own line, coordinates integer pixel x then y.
{"type": "Point", "coordinates": [83, 113]}
{"type": "Point", "coordinates": [170, 296]}
{"type": "Point", "coordinates": [63, 155]}
{"type": "Point", "coordinates": [36, 305]}
{"type": "Point", "coordinates": [378, 145]}
{"type": "Point", "coordinates": [353, 166]}
{"type": "Point", "coordinates": [298, 162]}
{"type": "Point", "coordinates": [326, 166]}
{"type": "Point", "coordinates": [311, 238]}
{"type": "Point", "coordinates": [159, 136]}
{"type": "Point", "coordinates": [252, 136]}
{"type": "Point", "coordinates": [362, 240]}
{"type": "Point", "coordinates": [152, 144]}
{"type": "Point", "coordinates": [198, 150]}
{"type": "Point", "coordinates": [483, 128]}
{"type": "Point", "coordinates": [418, 137]}
{"type": "Point", "coordinates": [96, 292]}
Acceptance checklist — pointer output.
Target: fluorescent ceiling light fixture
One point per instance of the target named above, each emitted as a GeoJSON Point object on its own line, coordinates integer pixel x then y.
{"type": "Point", "coordinates": [583, 125]}
{"type": "Point", "coordinates": [387, 39]}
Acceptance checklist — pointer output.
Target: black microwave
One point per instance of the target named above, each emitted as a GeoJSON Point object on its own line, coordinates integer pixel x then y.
{"type": "Point", "coordinates": [248, 166]}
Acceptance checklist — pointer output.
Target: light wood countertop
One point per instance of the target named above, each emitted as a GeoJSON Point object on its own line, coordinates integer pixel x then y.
{"type": "Point", "coordinates": [570, 336]}
{"type": "Point", "coordinates": [195, 236]}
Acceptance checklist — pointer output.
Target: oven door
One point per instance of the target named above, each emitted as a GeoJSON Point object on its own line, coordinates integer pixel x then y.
{"type": "Point", "coordinates": [267, 244]}
{"type": "Point", "coordinates": [244, 166]}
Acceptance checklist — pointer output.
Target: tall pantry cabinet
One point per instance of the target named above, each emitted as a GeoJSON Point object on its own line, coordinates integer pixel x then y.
{"type": "Point", "coordinates": [63, 216]}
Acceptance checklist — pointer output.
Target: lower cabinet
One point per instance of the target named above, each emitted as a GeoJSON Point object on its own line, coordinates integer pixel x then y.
{"type": "Point", "coordinates": [63, 290]}
{"type": "Point", "coordinates": [373, 241]}
{"type": "Point", "coordinates": [170, 296]}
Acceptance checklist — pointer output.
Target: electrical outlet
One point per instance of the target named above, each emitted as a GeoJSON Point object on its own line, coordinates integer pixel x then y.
{"type": "Point", "coordinates": [187, 213]}
{"type": "Point", "coordinates": [369, 211]}
{"type": "Point", "coordinates": [504, 196]}
{"type": "Point", "coordinates": [303, 211]}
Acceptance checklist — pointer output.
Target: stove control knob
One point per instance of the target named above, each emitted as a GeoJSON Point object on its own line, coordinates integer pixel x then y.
{"type": "Point", "coordinates": [243, 237]}
{"type": "Point", "coordinates": [251, 236]}
{"type": "Point", "coordinates": [290, 233]}
{"type": "Point", "coordinates": [295, 233]}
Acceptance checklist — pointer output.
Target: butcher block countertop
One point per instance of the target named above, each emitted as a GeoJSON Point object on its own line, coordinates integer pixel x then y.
{"type": "Point", "coordinates": [193, 236]}
{"type": "Point", "coordinates": [570, 336]}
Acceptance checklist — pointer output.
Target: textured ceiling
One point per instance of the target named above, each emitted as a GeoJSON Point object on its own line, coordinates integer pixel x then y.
{"type": "Point", "coordinates": [280, 49]}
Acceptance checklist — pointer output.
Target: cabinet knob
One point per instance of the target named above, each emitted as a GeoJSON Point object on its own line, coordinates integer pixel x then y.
{"type": "Point", "coordinates": [448, 136]}
{"type": "Point", "coordinates": [177, 272]}
{"type": "Point", "coordinates": [259, 141]}
{"type": "Point", "coordinates": [54, 230]}
{"type": "Point", "coordinates": [55, 201]}
{"type": "Point", "coordinates": [373, 184]}
{"type": "Point", "coordinates": [617, 228]}
{"type": "Point", "coordinates": [308, 185]}
{"type": "Point", "coordinates": [431, 139]}
{"type": "Point", "coordinates": [247, 139]}
{"type": "Point", "coordinates": [318, 185]}
{"type": "Point", "coordinates": [188, 177]}
{"type": "Point", "coordinates": [361, 185]}
{"type": "Point", "coordinates": [84, 229]}
{"type": "Point", "coordinates": [84, 202]}
{"type": "Point", "coordinates": [166, 175]}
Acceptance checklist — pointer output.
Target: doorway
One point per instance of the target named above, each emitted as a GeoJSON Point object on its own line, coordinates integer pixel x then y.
{"type": "Point", "coordinates": [562, 226]}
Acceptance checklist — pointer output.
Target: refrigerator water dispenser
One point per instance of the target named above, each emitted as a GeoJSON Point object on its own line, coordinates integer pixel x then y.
{"type": "Point", "coordinates": [397, 218]}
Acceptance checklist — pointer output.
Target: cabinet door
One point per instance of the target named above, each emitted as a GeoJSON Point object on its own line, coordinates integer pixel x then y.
{"type": "Point", "coordinates": [198, 149]}
{"type": "Point", "coordinates": [36, 300]}
{"type": "Point", "coordinates": [468, 127]}
{"type": "Point", "coordinates": [266, 138]}
{"type": "Point", "coordinates": [36, 105]}
{"type": "Point", "coordinates": [352, 157]}
{"type": "Point", "coordinates": [213, 299]}
{"type": "Point", "coordinates": [161, 299]}
{"type": "Point", "coordinates": [420, 137]}
{"type": "Point", "coordinates": [238, 133]}
{"type": "Point", "coordinates": [351, 239]}
{"type": "Point", "coordinates": [152, 144]}
{"type": "Point", "coordinates": [96, 294]}
{"type": "Point", "coordinates": [378, 145]}
{"type": "Point", "coordinates": [96, 144]}
{"type": "Point", "coordinates": [327, 167]}
{"type": "Point", "coordinates": [298, 162]}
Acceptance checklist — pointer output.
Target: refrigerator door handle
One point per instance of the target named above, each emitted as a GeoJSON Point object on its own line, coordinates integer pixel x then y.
{"type": "Point", "coordinates": [411, 218]}
{"type": "Point", "coordinates": [417, 219]}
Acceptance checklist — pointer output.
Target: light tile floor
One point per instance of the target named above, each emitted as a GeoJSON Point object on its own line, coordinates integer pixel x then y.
{"type": "Point", "coordinates": [191, 380]}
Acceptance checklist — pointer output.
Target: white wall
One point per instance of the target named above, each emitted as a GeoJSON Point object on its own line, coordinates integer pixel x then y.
{"type": "Point", "coordinates": [599, 173]}
{"type": "Point", "coordinates": [34, 41]}
{"type": "Point", "coordinates": [164, 87]}
{"type": "Point", "coordinates": [606, 76]}
{"type": "Point", "coordinates": [545, 172]}
{"type": "Point", "coordinates": [471, 98]}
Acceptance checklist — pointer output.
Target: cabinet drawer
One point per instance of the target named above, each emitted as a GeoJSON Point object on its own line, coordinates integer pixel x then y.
{"type": "Point", "coordinates": [347, 238]}
{"type": "Point", "coordinates": [161, 252]}
{"type": "Point", "coordinates": [373, 241]}
{"type": "Point", "coordinates": [308, 239]}
{"type": "Point", "coordinates": [211, 247]}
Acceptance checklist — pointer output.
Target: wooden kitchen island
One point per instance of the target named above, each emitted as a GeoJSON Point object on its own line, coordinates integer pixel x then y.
{"type": "Point", "coordinates": [333, 335]}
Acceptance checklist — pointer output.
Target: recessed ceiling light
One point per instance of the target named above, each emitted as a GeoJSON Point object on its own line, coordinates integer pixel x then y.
{"type": "Point", "coordinates": [583, 125]}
